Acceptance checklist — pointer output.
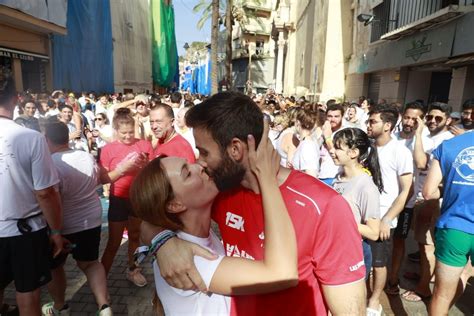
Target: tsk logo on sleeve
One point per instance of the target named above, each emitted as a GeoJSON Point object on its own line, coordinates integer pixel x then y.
{"type": "Point", "coordinates": [235, 221]}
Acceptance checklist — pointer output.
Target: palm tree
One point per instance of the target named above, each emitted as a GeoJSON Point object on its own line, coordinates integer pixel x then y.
{"type": "Point", "coordinates": [232, 13]}
{"type": "Point", "coordinates": [214, 43]}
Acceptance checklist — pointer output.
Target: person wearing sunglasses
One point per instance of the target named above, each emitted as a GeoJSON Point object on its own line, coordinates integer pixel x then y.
{"type": "Point", "coordinates": [437, 121]}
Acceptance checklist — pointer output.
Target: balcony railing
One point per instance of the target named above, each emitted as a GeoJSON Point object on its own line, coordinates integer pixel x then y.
{"type": "Point", "coordinates": [391, 15]}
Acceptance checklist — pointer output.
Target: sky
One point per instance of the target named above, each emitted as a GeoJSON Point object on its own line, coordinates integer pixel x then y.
{"type": "Point", "coordinates": [186, 24]}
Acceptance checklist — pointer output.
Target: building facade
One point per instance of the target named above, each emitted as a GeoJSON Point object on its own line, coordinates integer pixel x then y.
{"type": "Point", "coordinates": [384, 49]}
{"type": "Point", "coordinates": [25, 40]}
{"type": "Point", "coordinates": [253, 58]}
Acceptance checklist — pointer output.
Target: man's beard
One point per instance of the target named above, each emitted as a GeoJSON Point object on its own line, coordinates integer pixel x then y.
{"type": "Point", "coordinates": [228, 175]}
{"type": "Point", "coordinates": [436, 130]}
{"type": "Point", "coordinates": [467, 124]}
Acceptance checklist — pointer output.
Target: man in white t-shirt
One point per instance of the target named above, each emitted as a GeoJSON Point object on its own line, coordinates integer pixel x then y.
{"type": "Point", "coordinates": [79, 177]}
{"type": "Point", "coordinates": [396, 166]}
{"type": "Point", "coordinates": [328, 170]}
{"type": "Point", "coordinates": [437, 121]}
{"type": "Point", "coordinates": [413, 134]}
{"type": "Point", "coordinates": [29, 203]}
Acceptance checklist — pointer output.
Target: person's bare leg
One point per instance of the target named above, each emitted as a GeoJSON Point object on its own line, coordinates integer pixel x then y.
{"type": "Point", "coordinates": [380, 278]}
{"type": "Point", "coordinates": [57, 287]}
{"type": "Point", "coordinates": [398, 251]}
{"type": "Point", "coordinates": [29, 303]}
{"type": "Point", "coordinates": [95, 274]}
{"type": "Point", "coordinates": [133, 238]}
{"type": "Point", "coordinates": [113, 244]}
{"type": "Point", "coordinates": [427, 266]}
{"type": "Point", "coordinates": [448, 286]}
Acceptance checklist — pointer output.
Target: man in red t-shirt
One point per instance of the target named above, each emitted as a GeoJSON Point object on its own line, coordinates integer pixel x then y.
{"type": "Point", "coordinates": [330, 260]}
{"type": "Point", "coordinates": [170, 143]}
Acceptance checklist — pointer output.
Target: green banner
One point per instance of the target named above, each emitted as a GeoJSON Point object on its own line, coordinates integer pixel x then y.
{"type": "Point", "coordinates": [164, 51]}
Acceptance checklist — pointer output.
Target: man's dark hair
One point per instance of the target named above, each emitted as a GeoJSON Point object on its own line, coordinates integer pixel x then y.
{"type": "Point", "coordinates": [330, 102]}
{"type": "Point", "coordinates": [335, 107]}
{"type": "Point", "coordinates": [388, 114]}
{"type": "Point", "coordinates": [415, 105]}
{"type": "Point", "coordinates": [227, 115]}
{"type": "Point", "coordinates": [62, 106]}
{"type": "Point", "coordinates": [168, 109]}
{"type": "Point", "coordinates": [57, 132]}
{"type": "Point", "coordinates": [7, 89]}
{"type": "Point", "coordinates": [443, 107]}
{"type": "Point", "coordinates": [175, 97]}
{"type": "Point", "coordinates": [468, 104]}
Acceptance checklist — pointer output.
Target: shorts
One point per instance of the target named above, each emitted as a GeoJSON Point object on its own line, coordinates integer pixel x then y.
{"type": "Point", "coordinates": [25, 259]}
{"type": "Point", "coordinates": [367, 258]}
{"type": "Point", "coordinates": [119, 209]}
{"type": "Point", "coordinates": [454, 247]}
{"type": "Point", "coordinates": [404, 223]}
{"type": "Point", "coordinates": [380, 252]}
{"type": "Point", "coordinates": [426, 214]}
{"type": "Point", "coordinates": [85, 246]}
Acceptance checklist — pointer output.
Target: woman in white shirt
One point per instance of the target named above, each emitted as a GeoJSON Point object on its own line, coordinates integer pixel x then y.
{"type": "Point", "coordinates": [306, 157]}
{"type": "Point", "coordinates": [176, 195]}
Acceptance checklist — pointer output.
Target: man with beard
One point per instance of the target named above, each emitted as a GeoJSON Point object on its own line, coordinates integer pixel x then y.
{"type": "Point", "coordinates": [397, 175]}
{"type": "Point", "coordinates": [467, 123]}
{"type": "Point", "coordinates": [331, 268]}
{"type": "Point", "coordinates": [334, 115]}
{"type": "Point", "coordinates": [170, 143]}
{"type": "Point", "coordinates": [413, 135]}
{"type": "Point", "coordinates": [437, 121]}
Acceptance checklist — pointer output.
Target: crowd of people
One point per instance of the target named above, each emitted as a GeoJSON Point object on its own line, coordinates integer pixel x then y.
{"type": "Point", "coordinates": [314, 201]}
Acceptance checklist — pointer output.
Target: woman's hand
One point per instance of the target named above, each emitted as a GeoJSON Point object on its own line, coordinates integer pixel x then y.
{"type": "Point", "coordinates": [265, 161]}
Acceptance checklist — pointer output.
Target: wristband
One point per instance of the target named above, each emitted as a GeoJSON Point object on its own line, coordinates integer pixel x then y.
{"type": "Point", "coordinates": [54, 232]}
{"type": "Point", "coordinates": [159, 240]}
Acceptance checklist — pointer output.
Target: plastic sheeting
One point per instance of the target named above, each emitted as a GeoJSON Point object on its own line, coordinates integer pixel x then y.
{"type": "Point", "coordinates": [53, 11]}
{"type": "Point", "coordinates": [131, 34]}
{"type": "Point", "coordinates": [82, 60]}
{"type": "Point", "coordinates": [164, 50]}
{"type": "Point", "coordinates": [198, 80]}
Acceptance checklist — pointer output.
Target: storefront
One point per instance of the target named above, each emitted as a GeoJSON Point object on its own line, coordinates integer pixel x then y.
{"type": "Point", "coordinates": [25, 45]}
{"type": "Point", "coordinates": [28, 68]}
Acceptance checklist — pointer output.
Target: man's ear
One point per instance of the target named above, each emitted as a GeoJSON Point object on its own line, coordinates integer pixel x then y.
{"type": "Point", "coordinates": [448, 121]}
{"type": "Point", "coordinates": [236, 149]}
{"type": "Point", "coordinates": [175, 206]}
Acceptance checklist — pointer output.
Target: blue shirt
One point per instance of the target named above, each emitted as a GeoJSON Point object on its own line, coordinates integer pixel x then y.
{"type": "Point", "coordinates": [456, 157]}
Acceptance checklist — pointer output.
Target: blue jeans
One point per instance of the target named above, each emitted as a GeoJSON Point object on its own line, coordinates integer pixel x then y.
{"type": "Point", "coordinates": [367, 258]}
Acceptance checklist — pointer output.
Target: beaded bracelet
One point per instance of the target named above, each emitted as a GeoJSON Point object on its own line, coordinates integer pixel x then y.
{"type": "Point", "coordinates": [159, 240]}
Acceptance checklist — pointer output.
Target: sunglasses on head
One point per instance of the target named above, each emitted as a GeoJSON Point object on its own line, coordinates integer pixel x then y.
{"type": "Point", "coordinates": [437, 118]}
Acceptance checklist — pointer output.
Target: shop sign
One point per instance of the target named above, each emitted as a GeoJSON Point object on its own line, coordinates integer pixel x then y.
{"type": "Point", "coordinates": [418, 49]}
{"type": "Point", "coordinates": [19, 55]}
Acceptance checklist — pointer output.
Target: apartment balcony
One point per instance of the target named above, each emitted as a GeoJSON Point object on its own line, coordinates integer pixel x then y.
{"type": "Point", "coordinates": [260, 7]}
{"type": "Point", "coordinates": [243, 52]}
{"type": "Point", "coordinates": [398, 18]}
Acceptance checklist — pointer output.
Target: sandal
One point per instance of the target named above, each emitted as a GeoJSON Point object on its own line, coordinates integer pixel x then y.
{"type": "Point", "coordinates": [392, 289]}
{"type": "Point", "coordinates": [374, 312]}
{"type": "Point", "coordinates": [413, 296]}
{"type": "Point", "coordinates": [9, 310]}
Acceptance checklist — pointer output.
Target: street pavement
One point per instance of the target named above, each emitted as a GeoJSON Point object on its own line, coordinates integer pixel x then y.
{"type": "Point", "coordinates": [127, 299]}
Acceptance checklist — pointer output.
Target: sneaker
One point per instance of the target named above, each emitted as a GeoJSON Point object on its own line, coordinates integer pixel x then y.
{"type": "Point", "coordinates": [49, 310]}
{"type": "Point", "coordinates": [136, 277]}
{"type": "Point", "coordinates": [414, 257]}
{"type": "Point", "coordinates": [105, 310]}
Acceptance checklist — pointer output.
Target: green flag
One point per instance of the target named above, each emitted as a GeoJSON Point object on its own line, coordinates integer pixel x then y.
{"type": "Point", "coordinates": [164, 51]}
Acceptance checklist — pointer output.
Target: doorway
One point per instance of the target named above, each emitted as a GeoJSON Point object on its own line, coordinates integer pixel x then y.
{"type": "Point", "coordinates": [439, 87]}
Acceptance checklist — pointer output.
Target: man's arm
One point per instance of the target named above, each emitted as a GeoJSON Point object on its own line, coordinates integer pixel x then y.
{"type": "Point", "coordinates": [433, 180]}
{"type": "Point", "coordinates": [405, 181]}
{"type": "Point", "coordinates": [50, 203]}
{"type": "Point", "coordinates": [419, 155]}
{"type": "Point", "coordinates": [347, 299]}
